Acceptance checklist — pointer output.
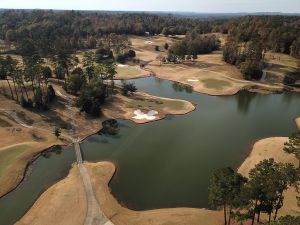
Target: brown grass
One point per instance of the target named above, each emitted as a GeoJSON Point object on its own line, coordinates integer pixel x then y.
{"type": "Point", "coordinates": [62, 204]}
{"type": "Point", "coordinates": [273, 148]}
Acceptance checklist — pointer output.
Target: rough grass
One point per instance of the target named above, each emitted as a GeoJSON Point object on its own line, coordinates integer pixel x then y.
{"type": "Point", "coordinates": [10, 155]}
{"type": "Point", "coordinates": [282, 59]}
{"type": "Point", "coordinates": [216, 84]}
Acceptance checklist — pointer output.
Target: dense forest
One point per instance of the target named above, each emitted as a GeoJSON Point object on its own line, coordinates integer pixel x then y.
{"type": "Point", "coordinates": [277, 33]}
{"type": "Point", "coordinates": [54, 36]}
{"type": "Point", "coordinates": [75, 30]}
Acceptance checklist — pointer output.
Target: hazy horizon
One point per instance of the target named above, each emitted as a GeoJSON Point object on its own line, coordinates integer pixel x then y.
{"type": "Point", "coordinates": [190, 6]}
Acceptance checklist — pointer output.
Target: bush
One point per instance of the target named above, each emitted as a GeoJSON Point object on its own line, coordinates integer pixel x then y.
{"type": "Point", "coordinates": [128, 88]}
{"type": "Point", "coordinates": [131, 54]}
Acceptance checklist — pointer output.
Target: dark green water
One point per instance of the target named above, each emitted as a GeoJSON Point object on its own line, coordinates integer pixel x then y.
{"type": "Point", "coordinates": [43, 172]}
{"type": "Point", "coordinates": [168, 163]}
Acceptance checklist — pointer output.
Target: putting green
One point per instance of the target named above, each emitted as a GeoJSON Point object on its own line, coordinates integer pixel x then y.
{"type": "Point", "coordinates": [215, 84]}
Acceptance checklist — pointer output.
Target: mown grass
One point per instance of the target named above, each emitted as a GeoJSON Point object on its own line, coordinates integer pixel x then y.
{"type": "Point", "coordinates": [215, 84]}
{"type": "Point", "coordinates": [10, 155]}
{"type": "Point", "coordinates": [155, 104]}
{"type": "Point", "coordinates": [128, 71]}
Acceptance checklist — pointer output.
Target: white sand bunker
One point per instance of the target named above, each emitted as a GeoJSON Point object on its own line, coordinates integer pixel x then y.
{"type": "Point", "coordinates": [122, 65]}
{"type": "Point", "coordinates": [148, 42]}
{"type": "Point", "coordinates": [139, 115]}
{"type": "Point", "coordinates": [193, 80]}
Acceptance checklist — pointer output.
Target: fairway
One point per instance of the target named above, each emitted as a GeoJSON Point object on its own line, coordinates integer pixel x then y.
{"type": "Point", "coordinates": [9, 156]}
{"type": "Point", "coordinates": [129, 71]}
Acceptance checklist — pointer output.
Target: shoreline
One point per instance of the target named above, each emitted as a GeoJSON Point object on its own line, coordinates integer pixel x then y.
{"type": "Point", "coordinates": [129, 212]}
{"type": "Point", "coordinates": [93, 132]}
{"type": "Point", "coordinates": [29, 165]}
{"type": "Point", "coordinates": [252, 86]}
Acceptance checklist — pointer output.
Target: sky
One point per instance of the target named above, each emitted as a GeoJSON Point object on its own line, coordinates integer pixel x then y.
{"type": "Point", "coordinates": [205, 6]}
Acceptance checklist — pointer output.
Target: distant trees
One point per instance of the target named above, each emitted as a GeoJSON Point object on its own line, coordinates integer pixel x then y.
{"type": "Point", "coordinates": [247, 57]}
{"type": "Point", "coordinates": [262, 192]}
{"type": "Point", "coordinates": [192, 46]}
{"type": "Point", "coordinates": [276, 33]}
{"type": "Point", "coordinates": [126, 56]}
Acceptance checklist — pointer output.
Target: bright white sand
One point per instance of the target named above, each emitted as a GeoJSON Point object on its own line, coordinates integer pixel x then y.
{"type": "Point", "coordinates": [192, 80]}
{"type": "Point", "coordinates": [139, 115]}
{"type": "Point", "coordinates": [122, 65]}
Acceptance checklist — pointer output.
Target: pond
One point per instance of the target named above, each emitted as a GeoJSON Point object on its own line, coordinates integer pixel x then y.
{"type": "Point", "coordinates": [168, 163]}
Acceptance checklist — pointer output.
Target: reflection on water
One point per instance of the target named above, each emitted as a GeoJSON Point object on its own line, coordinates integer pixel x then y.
{"type": "Point", "coordinates": [168, 163]}
{"type": "Point", "coordinates": [244, 100]}
{"type": "Point", "coordinates": [178, 87]}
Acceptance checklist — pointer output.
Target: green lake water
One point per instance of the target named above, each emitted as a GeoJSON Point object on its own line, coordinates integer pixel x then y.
{"type": "Point", "coordinates": [168, 163]}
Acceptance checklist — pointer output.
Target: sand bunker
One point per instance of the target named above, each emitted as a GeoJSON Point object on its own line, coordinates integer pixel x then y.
{"type": "Point", "coordinates": [122, 65]}
{"type": "Point", "coordinates": [139, 115]}
{"type": "Point", "coordinates": [193, 80]}
{"type": "Point", "coordinates": [148, 42]}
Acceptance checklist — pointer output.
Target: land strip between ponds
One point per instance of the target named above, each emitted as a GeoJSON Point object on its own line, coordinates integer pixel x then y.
{"type": "Point", "coordinates": [94, 214]}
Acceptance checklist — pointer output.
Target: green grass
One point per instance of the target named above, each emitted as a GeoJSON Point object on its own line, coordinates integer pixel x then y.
{"type": "Point", "coordinates": [10, 155]}
{"type": "Point", "coordinates": [128, 71]}
{"type": "Point", "coordinates": [216, 84]}
{"type": "Point", "coordinates": [155, 104]}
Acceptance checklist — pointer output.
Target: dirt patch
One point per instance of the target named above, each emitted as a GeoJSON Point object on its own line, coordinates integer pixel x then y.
{"type": "Point", "coordinates": [63, 204]}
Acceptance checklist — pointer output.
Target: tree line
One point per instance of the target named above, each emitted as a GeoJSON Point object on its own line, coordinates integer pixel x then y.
{"type": "Point", "coordinates": [277, 33]}
{"type": "Point", "coordinates": [244, 199]}
{"type": "Point", "coordinates": [49, 30]}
